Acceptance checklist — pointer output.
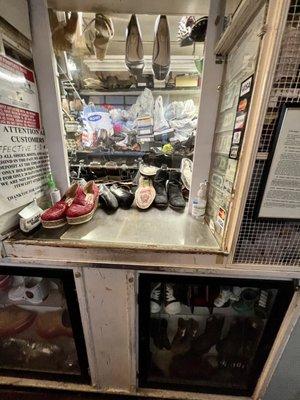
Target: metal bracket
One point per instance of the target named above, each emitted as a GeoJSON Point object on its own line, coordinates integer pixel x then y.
{"type": "Point", "coordinates": [263, 30]}
{"type": "Point", "coordinates": [219, 59]}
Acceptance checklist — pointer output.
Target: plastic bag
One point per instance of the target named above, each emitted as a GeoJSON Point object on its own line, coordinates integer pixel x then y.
{"type": "Point", "coordinates": [160, 122]}
{"type": "Point", "coordinates": [180, 110]}
{"type": "Point", "coordinates": [144, 105]}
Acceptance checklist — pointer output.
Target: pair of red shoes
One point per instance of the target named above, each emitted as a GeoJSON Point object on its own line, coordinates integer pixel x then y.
{"type": "Point", "coordinates": [77, 206]}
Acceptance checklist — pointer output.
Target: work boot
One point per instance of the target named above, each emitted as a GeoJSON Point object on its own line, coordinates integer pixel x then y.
{"type": "Point", "coordinates": [175, 196]}
{"type": "Point", "coordinates": [159, 183]}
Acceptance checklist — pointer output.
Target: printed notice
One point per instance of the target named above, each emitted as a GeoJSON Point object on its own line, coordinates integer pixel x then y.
{"type": "Point", "coordinates": [281, 198]}
{"type": "Point", "coordinates": [24, 162]}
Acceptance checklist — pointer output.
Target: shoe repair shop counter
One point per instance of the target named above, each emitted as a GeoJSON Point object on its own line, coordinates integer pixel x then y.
{"type": "Point", "coordinates": [127, 236]}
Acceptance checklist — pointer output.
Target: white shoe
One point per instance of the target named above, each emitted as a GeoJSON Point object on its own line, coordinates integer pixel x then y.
{"type": "Point", "coordinates": [155, 299]}
{"type": "Point", "coordinates": [33, 290]}
{"type": "Point", "coordinates": [172, 305]}
{"type": "Point", "coordinates": [223, 297]}
{"type": "Point", "coordinates": [226, 295]}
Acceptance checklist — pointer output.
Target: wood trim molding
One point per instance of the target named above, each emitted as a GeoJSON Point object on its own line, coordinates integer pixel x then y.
{"type": "Point", "coordinates": [241, 19]}
{"type": "Point", "coordinates": [269, 52]}
{"type": "Point", "coordinates": [280, 343]}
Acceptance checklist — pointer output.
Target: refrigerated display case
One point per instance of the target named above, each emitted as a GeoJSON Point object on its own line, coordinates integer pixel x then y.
{"type": "Point", "coordinates": [40, 327]}
{"type": "Point", "coordinates": [207, 334]}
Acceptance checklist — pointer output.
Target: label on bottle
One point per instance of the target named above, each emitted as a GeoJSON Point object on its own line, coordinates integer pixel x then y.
{"type": "Point", "coordinates": [55, 196]}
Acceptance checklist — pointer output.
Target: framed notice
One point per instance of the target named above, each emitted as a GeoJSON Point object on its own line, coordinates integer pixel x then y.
{"type": "Point", "coordinates": [241, 117]}
{"type": "Point", "coordinates": [24, 161]}
{"type": "Point", "coordinates": [280, 188]}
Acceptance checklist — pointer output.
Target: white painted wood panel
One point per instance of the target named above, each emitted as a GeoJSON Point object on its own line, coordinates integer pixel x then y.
{"type": "Point", "coordinates": [15, 12]}
{"type": "Point", "coordinates": [107, 294]}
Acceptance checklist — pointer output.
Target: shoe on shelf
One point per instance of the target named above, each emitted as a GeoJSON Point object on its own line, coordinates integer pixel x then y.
{"type": "Point", "coordinates": [227, 294]}
{"type": "Point", "coordinates": [159, 333]}
{"type": "Point", "coordinates": [55, 216]}
{"type": "Point", "coordinates": [213, 330]}
{"type": "Point", "coordinates": [5, 282]}
{"type": "Point", "coordinates": [147, 170]}
{"type": "Point", "coordinates": [172, 305]}
{"type": "Point", "coordinates": [174, 186]}
{"type": "Point", "coordinates": [134, 52]}
{"type": "Point", "coordinates": [53, 324]}
{"type": "Point", "coordinates": [107, 200]}
{"type": "Point", "coordinates": [159, 183]}
{"type": "Point", "coordinates": [156, 298]}
{"type": "Point", "coordinates": [123, 195]}
{"type": "Point", "coordinates": [145, 193]}
{"type": "Point", "coordinates": [161, 58]}
{"type": "Point", "coordinates": [262, 306]}
{"type": "Point", "coordinates": [187, 331]}
{"type": "Point", "coordinates": [104, 32]}
{"type": "Point", "coordinates": [32, 290]}
{"type": "Point", "coordinates": [186, 169]}
{"type": "Point", "coordinates": [15, 320]}
{"type": "Point", "coordinates": [84, 205]}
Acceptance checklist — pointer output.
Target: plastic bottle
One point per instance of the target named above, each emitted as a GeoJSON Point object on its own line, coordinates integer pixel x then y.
{"type": "Point", "coordinates": [199, 203]}
{"type": "Point", "coordinates": [54, 192]}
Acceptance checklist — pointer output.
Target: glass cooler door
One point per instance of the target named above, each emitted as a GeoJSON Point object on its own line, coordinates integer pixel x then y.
{"type": "Point", "coordinates": [40, 326]}
{"type": "Point", "coordinates": [207, 334]}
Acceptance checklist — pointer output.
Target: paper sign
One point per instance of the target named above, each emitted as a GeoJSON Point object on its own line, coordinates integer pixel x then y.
{"type": "Point", "coordinates": [24, 161]}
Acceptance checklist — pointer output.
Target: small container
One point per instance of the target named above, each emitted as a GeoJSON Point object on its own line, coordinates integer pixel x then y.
{"type": "Point", "coordinates": [54, 192]}
{"type": "Point", "coordinates": [199, 203]}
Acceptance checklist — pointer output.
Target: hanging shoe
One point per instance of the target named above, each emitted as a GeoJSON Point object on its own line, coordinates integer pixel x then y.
{"type": "Point", "coordinates": [84, 205]}
{"type": "Point", "coordinates": [159, 183]}
{"type": "Point", "coordinates": [161, 49]}
{"type": "Point", "coordinates": [156, 298]}
{"type": "Point", "coordinates": [63, 33]}
{"type": "Point", "coordinates": [172, 305]}
{"type": "Point", "coordinates": [198, 31]}
{"type": "Point", "coordinates": [174, 187]}
{"type": "Point", "coordinates": [55, 216]}
{"type": "Point", "coordinates": [145, 193]}
{"type": "Point", "coordinates": [104, 33]}
{"type": "Point", "coordinates": [134, 53]}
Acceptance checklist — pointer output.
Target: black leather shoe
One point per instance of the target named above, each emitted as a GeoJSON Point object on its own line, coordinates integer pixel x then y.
{"type": "Point", "coordinates": [161, 48]}
{"type": "Point", "coordinates": [159, 183]}
{"type": "Point", "coordinates": [175, 196]}
{"type": "Point", "coordinates": [134, 53]}
{"type": "Point", "coordinates": [107, 200]}
{"type": "Point", "coordinates": [123, 195]}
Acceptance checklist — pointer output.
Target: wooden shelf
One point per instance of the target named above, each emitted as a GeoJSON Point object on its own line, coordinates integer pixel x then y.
{"type": "Point", "coordinates": [137, 92]}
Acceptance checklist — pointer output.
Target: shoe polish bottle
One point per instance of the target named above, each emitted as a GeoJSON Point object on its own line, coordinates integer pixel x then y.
{"type": "Point", "coordinates": [54, 192]}
{"type": "Point", "coordinates": [199, 202]}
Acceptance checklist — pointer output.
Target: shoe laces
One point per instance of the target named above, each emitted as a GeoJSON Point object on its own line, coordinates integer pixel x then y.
{"type": "Point", "coordinates": [155, 294]}
{"type": "Point", "coordinates": [169, 293]}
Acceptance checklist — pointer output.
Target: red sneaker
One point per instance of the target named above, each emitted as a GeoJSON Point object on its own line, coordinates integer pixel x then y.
{"type": "Point", "coordinates": [55, 216]}
{"type": "Point", "coordinates": [84, 205]}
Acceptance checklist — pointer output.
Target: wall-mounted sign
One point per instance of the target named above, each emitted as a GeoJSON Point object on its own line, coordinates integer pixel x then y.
{"type": "Point", "coordinates": [241, 117]}
{"type": "Point", "coordinates": [280, 186]}
{"type": "Point", "coordinates": [24, 162]}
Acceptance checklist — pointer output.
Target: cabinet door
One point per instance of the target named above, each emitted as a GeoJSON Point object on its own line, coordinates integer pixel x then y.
{"type": "Point", "coordinates": [207, 334]}
{"type": "Point", "coordinates": [40, 326]}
